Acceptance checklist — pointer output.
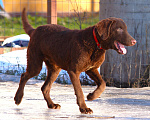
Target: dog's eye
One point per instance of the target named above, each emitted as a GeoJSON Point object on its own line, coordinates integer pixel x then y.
{"type": "Point", "coordinates": [119, 30]}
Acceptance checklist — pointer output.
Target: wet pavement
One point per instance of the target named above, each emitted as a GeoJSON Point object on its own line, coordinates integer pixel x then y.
{"type": "Point", "coordinates": [114, 104]}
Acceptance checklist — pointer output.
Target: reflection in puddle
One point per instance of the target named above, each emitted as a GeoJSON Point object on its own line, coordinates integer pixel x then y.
{"type": "Point", "coordinates": [86, 116]}
{"type": "Point", "coordinates": [18, 111]}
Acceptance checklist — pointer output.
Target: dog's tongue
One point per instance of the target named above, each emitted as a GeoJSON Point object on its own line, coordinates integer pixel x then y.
{"type": "Point", "coordinates": [121, 48]}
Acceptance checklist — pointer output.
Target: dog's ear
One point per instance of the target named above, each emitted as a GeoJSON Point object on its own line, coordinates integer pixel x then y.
{"type": "Point", "coordinates": [103, 28]}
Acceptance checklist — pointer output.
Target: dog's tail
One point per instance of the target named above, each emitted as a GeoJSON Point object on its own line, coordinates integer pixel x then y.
{"type": "Point", "coordinates": [26, 26]}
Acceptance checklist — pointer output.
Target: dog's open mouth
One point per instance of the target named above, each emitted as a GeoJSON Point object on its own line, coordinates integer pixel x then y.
{"type": "Point", "coordinates": [120, 47]}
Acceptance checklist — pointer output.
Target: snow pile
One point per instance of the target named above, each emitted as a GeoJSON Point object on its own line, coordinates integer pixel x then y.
{"type": "Point", "coordinates": [15, 63]}
{"type": "Point", "coordinates": [14, 57]}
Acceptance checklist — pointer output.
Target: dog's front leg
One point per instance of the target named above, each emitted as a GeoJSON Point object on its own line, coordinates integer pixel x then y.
{"type": "Point", "coordinates": [101, 85]}
{"type": "Point", "coordinates": [79, 93]}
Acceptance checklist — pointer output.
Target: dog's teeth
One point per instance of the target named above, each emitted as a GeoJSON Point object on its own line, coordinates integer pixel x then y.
{"type": "Point", "coordinates": [118, 45]}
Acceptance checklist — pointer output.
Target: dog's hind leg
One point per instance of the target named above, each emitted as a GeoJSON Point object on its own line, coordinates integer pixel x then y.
{"type": "Point", "coordinates": [101, 85]}
{"type": "Point", "coordinates": [34, 66]}
{"type": "Point", "coordinates": [53, 72]}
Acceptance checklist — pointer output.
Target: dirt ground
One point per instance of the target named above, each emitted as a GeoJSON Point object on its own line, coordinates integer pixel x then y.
{"type": "Point", "coordinates": [115, 103]}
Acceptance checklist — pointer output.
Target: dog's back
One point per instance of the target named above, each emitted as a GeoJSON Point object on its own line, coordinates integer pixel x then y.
{"type": "Point", "coordinates": [50, 28]}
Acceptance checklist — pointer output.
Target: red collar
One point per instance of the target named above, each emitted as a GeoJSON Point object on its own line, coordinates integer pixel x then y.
{"type": "Point", "coordinates": [95, 38]}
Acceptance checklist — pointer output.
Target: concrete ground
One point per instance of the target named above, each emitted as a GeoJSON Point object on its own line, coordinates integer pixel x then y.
{"type": "Point", "coordinates": [115, 103]}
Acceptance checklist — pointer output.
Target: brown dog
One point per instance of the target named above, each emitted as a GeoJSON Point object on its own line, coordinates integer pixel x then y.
{"type": "Point", "coordinates": [74, 51]}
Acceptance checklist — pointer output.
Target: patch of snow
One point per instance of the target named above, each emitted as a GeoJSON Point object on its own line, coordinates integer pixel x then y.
{"type": "Point", "coordinates": [14, 57]}
{"type": "Point", "coordinates": [16, 60]}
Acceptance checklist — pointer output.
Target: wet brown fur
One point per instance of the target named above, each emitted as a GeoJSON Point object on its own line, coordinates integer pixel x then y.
{"type": "Point", "coordinates": [72, 50]}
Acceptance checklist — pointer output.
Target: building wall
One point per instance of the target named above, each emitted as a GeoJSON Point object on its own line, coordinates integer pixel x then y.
{"type": "Point", "coordinates": [135, 64]}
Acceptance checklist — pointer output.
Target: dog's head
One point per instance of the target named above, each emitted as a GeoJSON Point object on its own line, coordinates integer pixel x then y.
{"type": "Point", "coordinates": [114, 35]}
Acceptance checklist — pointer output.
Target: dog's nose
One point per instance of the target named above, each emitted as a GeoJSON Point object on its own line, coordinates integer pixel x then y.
{"type": "Point", "coordinates": [133, 42]}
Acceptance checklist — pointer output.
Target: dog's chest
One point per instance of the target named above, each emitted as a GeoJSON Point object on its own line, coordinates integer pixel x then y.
{"type": "Point", "coordinates": [90, 67]}
{"type": "Point", "coordinates": [97, 62]}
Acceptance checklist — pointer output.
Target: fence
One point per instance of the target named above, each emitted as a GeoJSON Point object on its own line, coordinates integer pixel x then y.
{"type": "Point", "coordinates": [131, 70]}
{"type": "Point", "coordinates": [74, 14]}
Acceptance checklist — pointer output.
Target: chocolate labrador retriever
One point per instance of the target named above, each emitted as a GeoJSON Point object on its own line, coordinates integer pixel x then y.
{"type": "Point", "coordinates": [74, 51]}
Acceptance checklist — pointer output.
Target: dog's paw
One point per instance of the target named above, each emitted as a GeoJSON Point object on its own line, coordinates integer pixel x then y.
{"type": "Point", "coordinates": [86, 111]}
{"type": "Point", "coordinates": [54, 106]}
{"type": "Point", "coordinates": [91, 97]}
{"type": "Point", "coordinates": [18, 98]}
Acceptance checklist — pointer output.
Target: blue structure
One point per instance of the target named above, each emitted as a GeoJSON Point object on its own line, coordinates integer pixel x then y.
{"type": "Point", "coordinates": [1, 3]}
